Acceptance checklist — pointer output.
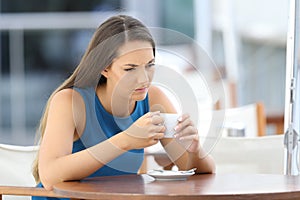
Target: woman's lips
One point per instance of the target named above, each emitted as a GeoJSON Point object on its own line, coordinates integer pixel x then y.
{"type": "Point", "coordinates": [141, 89]}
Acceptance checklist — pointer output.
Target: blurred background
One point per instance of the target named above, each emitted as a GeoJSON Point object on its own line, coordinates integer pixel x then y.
{"type": "Point", "coordinates": [41, 43]}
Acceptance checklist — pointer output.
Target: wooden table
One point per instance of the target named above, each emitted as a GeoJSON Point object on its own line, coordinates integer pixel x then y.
{"type": "Point", "coordinates": [208, 187]}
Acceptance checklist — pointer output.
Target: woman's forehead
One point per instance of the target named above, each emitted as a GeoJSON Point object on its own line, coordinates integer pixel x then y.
{"type": "Point", "coordinates": [132, 46]}
{"type": "Point", "coordinates": [136, 52]}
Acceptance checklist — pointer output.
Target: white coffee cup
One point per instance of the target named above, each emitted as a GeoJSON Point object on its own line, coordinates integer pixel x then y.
{"type": "Point", "coordinates": [171, 120]}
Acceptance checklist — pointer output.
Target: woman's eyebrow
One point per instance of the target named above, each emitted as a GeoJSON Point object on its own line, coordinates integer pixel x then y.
{"type": "Point", "coordinates": [135, 65]}
{"type": "Point", "coordinates": [131, 65]}
{"type": "Point", "coordinates": [151, 61]}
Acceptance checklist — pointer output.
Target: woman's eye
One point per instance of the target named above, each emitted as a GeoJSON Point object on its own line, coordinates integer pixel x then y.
{"type": "Point", "coordinates": [150, 65]}
{"type": "Point", "coordinates": [129, 69]}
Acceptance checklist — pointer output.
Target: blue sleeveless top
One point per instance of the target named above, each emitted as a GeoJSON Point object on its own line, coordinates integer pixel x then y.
{"type": "Point", "coordinates": [101, 125]}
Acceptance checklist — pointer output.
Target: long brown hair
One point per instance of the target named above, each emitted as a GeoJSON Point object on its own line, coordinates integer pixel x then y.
{"type": "Point", "coordinates": [101, 51]}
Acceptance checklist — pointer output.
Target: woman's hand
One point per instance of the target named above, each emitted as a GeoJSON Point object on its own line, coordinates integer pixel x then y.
{"type": "Point", "coordinates": [187, 134]}
{"type": "Point", "coordinates": [146, 131]}
{"type": "Point", "coordinates": [185, 150]}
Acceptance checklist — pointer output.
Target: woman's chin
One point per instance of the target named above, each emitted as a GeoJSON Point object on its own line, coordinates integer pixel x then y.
{"type": "Point", "coordinates": [138, 97]}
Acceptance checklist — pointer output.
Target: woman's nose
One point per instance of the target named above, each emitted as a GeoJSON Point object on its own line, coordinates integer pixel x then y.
{"type": "Point", "coordinates": [143, 76]}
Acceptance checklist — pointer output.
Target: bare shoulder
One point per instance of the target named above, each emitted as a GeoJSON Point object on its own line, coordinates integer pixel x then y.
{"type": "Point", "coordinates": [68, 106]}
{"type": "Point", "coordinates": [66, 100]}
{"type": "Point", "coordinates": [155, 91]}
{"type": "Point", "coordinates": [159, 101]}
{"type": "Point", "coordinates": [65, 95]}
{"type": "Point", "coordinates": [156, 95]}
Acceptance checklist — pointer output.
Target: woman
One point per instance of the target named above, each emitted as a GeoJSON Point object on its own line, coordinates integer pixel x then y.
{"type": "Point", "coordinates": [98, 122]}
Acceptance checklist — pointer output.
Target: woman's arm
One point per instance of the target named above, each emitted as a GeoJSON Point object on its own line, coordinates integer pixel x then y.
{"type": "Point", "coordinates": [185, 151]}
{"type": "Point", "coordinates": [56, 161]}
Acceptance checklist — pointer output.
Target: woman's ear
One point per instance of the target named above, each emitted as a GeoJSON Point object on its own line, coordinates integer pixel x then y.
{"type": "Point", "coordinates": [105, 73]}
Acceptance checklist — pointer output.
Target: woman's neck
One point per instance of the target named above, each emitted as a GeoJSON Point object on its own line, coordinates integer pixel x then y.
{"type": "Point", "coordinates": [114, 104]}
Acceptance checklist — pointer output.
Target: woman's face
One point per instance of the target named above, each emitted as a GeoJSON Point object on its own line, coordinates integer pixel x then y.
{"type": "Point", "coordinates": [131, 73]}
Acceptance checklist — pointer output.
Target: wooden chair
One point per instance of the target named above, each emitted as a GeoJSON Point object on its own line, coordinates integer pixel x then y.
{"type": "Point", "coordinates": [16, 180]}
{"type": "Point", "coordinates": [275, 118]}
{"type": "Point", "coordinates": [251, 116]}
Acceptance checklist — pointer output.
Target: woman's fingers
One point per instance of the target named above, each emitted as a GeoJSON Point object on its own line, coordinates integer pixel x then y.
{"type": "Point", "coordinates": [158, 136]}
{"type": "Point", "coordinates": [194, 136]}
{"type": "Point", "coordinates": [183, 122]}
{"type": "Point", "coordinates": [157, 120]}
{"type": "Point", "coordinates": [190, 142]}
{"type": "Point", "coordinates": [189, 131]}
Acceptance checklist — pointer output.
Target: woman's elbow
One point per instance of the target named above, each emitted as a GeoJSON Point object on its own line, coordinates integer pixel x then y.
{"type": "Point", "coordinates": [47, 179]}
{"type": "Point", "coordinates": [46, 184]}
{"type": "Point", "coordinates": [209, 166]}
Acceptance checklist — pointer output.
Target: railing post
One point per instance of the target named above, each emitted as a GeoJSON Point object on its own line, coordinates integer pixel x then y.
{"type": "Point", "coordinates": [291, 136]}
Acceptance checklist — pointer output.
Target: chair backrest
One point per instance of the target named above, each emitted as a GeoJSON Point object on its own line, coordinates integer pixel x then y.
{"type": "Point", "coordinates": [251, 116]}
{"type": "Point", "coordinates": [15, 165]}
{"type": "Point", "coordinates": [16, 179]}
{"type": "Point", "coordinates": [249, 155]}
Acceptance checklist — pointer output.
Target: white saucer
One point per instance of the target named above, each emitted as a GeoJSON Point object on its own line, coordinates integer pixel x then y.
{"type": "Point", "coordinates": [168, 175]}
